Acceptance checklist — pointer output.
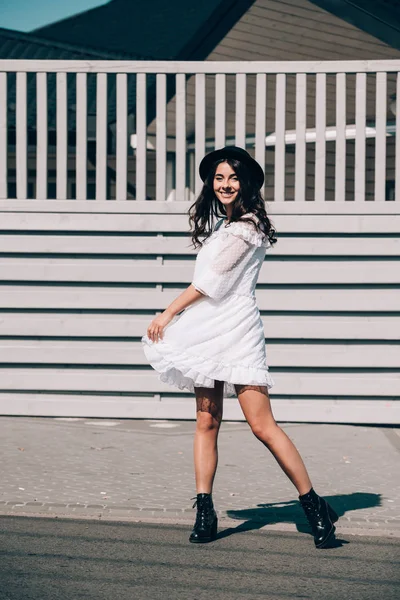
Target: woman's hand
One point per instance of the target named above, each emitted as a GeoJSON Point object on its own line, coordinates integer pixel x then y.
{"type": "Point", "coordinates": [155, 329]}
{"type": "Point", "coordinates": [186, 298]}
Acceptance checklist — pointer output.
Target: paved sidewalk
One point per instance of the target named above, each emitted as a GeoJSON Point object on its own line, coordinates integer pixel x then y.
{"type": "Point", "coordinates": [143, 470]}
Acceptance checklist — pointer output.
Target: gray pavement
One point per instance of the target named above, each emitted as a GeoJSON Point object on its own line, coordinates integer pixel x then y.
{"type": "Point", "coordinates": [131, 470]}
{"type": "Point", "coordinates": [49, 559]}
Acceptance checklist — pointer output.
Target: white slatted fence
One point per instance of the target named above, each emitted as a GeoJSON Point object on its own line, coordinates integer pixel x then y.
{"type": "Point", "coordinates": [306, 122]}
{"type": "Point", "coordinates": [81, 280]}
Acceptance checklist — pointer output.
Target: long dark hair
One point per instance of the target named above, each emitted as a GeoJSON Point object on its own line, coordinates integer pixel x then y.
{"type": "Point", "coordinates": [248, 200]}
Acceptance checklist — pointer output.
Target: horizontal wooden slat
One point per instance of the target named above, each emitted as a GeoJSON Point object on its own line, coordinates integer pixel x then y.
{"type": "Point", "coordinates": [155, 245]}
{"type": "Point", "coordinates": [315, 410]}
{"type": "Point", "coordinates": [180, 208]}
{"type": "Point", "coordinates": [321, 300]}
{"type": "Point", "coordinates": [131, 271]}
{"type": "Point", "coordinates": [279, 327]}
{"type": "Point", "coordinates": [131, 353]}
{"type": "Point", "coordinates": [136, 380]}
{"type": "Point", "coordinates": [190, 67]}
{"type": "Point", "coordinates": [102, 206]}
{"type": "Point", "coordinates": [388, 224]}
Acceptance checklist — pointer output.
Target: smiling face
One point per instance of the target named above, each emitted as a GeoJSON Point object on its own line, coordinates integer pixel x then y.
{"type": "Point", "coordinates": [226, 184]}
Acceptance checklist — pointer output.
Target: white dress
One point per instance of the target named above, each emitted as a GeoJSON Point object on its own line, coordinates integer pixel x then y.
{"type": "Point", "coordinates": [221, 335]}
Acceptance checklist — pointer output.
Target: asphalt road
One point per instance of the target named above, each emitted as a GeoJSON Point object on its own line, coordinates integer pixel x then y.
{"type": "Point", "coordinates": [54, 559]}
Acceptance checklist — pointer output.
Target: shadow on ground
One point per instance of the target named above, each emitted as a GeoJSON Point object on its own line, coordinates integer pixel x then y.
{"type": "Point", "coordinates": [291, 512]}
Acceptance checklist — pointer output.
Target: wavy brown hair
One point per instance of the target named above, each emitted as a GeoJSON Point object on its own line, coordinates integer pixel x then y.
{"type": "Point", "coordinates": [248, 200]}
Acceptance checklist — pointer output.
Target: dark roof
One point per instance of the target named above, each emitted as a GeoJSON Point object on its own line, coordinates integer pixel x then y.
{"type": "Point", "coordinates": [379, 19]}
{"type": "Point", "coordinates": [120, 30]}
{"type": "Point", "coordinates": [164, 30]}
{"type": "Point", "coordinates": [18, 45]}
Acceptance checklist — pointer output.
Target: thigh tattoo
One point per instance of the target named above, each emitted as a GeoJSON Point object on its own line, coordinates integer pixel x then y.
{"type": "Point", "coordinates": [263, 389]}
{"type": "Point", "coordinates": [204, 404]}
{"type": "Point", "coordinates": [210, 400]}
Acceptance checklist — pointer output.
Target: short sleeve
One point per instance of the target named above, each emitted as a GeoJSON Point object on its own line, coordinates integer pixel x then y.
{"type": "Point", "coordinates": [248, 232]}
{"type": "Point", "coordinates": [234, 249]}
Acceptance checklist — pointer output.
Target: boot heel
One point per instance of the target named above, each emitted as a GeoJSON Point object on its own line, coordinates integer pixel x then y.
{"type": "Point", "coordinates": [332, 514]}
{"type": "Point", "coordinates": [214, 530]}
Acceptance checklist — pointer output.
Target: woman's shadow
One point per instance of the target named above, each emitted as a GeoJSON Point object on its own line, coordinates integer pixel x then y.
{"type": "Point", "coordinates": [291, 512]}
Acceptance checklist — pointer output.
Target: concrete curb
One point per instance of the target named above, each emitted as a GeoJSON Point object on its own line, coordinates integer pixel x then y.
{"type": "Point", "coordinates": [378, 528]}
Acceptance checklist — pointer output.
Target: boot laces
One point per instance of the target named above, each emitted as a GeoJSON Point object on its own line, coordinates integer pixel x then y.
{"type": "Point", "coordinates": [202, 505]}
{"type": "Point", "coordinates": [313, 513]}
{"type": "Point", "coordinates": [203, 511]}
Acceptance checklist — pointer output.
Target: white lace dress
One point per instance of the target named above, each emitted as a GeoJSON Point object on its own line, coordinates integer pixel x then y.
{"type": "Point", "coordinates": [220, 336]}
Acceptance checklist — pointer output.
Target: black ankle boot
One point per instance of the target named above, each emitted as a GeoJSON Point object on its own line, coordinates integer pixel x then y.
{"type": "Point", "coordinates": [321, 517]}
{"type": "Point", "coordinates": [205, 527]}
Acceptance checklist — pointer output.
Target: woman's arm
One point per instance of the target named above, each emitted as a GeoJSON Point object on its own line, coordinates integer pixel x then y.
{"type": "Point", "coordinates": [155, 330]}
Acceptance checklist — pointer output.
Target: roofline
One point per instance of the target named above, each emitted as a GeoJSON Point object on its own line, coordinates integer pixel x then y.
{"type": "Point", "coordinates": [30, 37]}
{"type": "Point", "coordinates": [368, 16]}
{"type": "Point", "coordinates": [217, 26]}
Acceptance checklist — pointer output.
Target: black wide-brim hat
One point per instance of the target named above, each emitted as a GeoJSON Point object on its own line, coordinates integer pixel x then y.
{"type": "Point", "coordinates": [232, 152]}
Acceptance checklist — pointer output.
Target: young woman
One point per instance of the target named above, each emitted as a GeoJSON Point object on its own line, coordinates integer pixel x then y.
{"type": "Point", "coordinates": [216, 346]}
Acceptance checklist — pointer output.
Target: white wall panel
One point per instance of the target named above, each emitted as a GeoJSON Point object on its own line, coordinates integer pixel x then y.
{"type": "Point", "coordinates": [76, 297]}
{"type": "Point", "coordinates": [317, 410]}
{"type": "Point", "coordinates": [280, 355]}
{"type": "Point", "coordinates": [311, 245]}
{"type": "Point", "coordinates": [328, 305]}
{"type": "Point", "coordinates": [142, 380]}
{"type": "Point", "coordinates": [180, 272]}
{"type": "Point", "coordinates": [308, 326]}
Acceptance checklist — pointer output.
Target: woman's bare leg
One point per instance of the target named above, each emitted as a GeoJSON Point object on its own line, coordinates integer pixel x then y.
{"type": "Point", "coordinates": [255, 403]}
{"type": "Point", "coordinates": [209, 405]}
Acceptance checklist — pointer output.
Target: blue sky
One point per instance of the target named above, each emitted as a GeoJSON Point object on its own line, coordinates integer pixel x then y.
{"type": "Point", "coordinates": [25, 15]}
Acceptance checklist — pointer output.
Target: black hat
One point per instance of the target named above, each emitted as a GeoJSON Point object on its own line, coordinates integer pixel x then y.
{"type": "Point", "coordinates": [232, 152]}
